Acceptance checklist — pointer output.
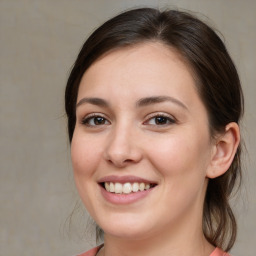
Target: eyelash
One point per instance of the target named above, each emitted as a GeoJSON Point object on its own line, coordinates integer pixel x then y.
{"type": "Point", "coordinates": [167, 118]}
{"type": "Point", "coordinates": [87, 119]}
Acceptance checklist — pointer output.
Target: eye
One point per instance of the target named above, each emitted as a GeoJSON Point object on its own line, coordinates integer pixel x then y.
{"type": "Point", "coordinates": [160, 120]}
{"type": "Point", "coordinates": [95, 120]}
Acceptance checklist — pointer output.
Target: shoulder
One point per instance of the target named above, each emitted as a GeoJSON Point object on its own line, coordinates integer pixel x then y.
{"type": "Point", "coordinates": [91, 252]}
{"type": "Point", "coordinates": [219, 252]}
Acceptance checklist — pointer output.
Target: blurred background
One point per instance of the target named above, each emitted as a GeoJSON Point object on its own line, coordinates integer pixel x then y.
{"type": "Point", "coordinates": [39, 41]}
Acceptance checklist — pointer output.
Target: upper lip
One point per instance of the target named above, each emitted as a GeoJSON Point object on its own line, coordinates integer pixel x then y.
{"type": "Point", "coordinates": [124, 179]}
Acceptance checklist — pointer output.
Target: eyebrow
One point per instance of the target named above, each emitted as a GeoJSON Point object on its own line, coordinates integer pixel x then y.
{"type": "Point", "coordinates": [94, 101]}
{"type": "Point", "coordinates": [159, 99]}
{"type": "Point", "coordinates": [140, 103]}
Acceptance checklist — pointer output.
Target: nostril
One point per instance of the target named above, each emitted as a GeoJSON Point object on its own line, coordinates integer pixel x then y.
{"type": "Point", "coordinates": [128, 161]}
{"type": "Point", "coordinates": [119, 162]}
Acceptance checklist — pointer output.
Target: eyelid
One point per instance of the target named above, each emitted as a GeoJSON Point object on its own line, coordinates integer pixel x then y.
{"type": "Point", "coordinates": [171, 118]}
{"type": "Point", "coordinates": [92, 115]}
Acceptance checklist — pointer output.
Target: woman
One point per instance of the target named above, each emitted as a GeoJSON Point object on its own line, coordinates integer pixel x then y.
{"type": "Point", "coordinates": [153, 104]}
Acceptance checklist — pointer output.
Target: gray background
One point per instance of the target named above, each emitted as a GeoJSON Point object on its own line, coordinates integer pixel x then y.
{"type": "Point", "coordinates": [39, 41]}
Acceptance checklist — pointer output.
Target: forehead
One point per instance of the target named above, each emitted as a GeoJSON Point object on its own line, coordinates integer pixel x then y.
{"type": "Point", "coordinates": [148, 64]}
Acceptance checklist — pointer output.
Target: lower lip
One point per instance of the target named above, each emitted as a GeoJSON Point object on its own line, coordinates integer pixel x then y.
{"type": "Point", "coordinates": [125, 198]}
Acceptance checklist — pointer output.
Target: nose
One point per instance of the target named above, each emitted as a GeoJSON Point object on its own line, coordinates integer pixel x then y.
{"type": "Point", "coordinates": [123, 148]}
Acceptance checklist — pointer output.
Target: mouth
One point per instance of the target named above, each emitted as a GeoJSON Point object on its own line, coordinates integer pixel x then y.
{"type": "Point", "coordinates": [123, 190]}
{"type": "Point", "coordinates": [126, 187]}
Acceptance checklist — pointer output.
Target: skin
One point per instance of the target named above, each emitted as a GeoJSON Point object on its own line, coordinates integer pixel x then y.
{"type": "Point", "coordinates": [178, 155]}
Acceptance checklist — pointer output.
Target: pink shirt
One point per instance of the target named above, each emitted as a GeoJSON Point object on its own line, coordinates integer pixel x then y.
{"type": "Point", "coordinates": [93, 252]}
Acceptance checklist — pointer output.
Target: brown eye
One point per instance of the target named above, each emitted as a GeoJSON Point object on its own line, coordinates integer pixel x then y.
{"type": "Point", "coordinates": [160, 120]}
{"type": "Point", "coordinates": [99, 120]}
{"type": "Point", "coordinates": [95, 121]}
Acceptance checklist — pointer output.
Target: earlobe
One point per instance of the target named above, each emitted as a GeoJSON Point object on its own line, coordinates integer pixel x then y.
{"type": "Point", "coordinates": [224, 151]}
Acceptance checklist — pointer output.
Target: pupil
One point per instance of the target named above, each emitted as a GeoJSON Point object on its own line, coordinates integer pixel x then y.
{"type": "Point", "coordinates": [160, 120]}
{"type": "Point", "coordinates": [99, 120]}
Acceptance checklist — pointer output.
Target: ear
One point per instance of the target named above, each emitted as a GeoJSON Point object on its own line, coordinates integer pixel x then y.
{"type": "Point", "coordinates": [224, 150]}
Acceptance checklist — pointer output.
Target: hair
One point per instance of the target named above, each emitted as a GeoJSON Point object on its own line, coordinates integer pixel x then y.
{"type": "Point", "coordinates": [217, 82]}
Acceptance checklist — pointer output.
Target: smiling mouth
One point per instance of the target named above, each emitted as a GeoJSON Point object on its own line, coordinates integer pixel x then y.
{"type": "Point", "coordinates": [126, 188]}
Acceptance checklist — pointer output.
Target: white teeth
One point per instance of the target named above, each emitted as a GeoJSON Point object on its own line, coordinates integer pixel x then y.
{"type": "Point", "coordinates": [135, 187]}
{"type": "Point", "coordinates": [118, 188]}
{"type": "Point", "coordinates": [126, 188]}
{"type": "Point", "coordinates": [142, 186]}
{"type": "Point", "coordinates": [147, 186]}
{"type": "Point", "coordinates": [107, 186]}
{"type": "Point", "coordinates": [111, 187]}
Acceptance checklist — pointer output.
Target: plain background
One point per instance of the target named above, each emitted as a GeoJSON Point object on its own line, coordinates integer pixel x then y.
{"type": "Point", "coordinates": [39, 41]}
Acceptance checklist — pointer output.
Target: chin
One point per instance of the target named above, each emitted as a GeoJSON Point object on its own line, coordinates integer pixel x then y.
{"type": "Point", "coordinates": [126, 229]}
{"type": "Point", "coordinates": [126, 234]}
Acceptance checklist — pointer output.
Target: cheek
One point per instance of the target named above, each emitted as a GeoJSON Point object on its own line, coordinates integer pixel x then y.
{"type": "Point", "coordinates": [85, 160]}
{"type": "Point", "coordinates": [84, 157]}
{"type": "Point", "coordinates": [182, 165]}
{"type": "Point", "coordinates": [180, 155]}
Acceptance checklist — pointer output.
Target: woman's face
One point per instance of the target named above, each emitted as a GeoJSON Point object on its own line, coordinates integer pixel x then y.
{"type": "Point", "coordinates": [141, 144]}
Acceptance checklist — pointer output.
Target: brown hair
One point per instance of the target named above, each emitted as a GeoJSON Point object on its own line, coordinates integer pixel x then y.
{"type": "Point", "coordinates": [217, 83]}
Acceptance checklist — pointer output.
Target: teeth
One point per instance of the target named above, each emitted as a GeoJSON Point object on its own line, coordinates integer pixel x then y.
{"type": "Point", "coordinates": [111, 187]}
{"type": "Point", "coordinates": [107, 186]}
{"type": "Point", "coordinates": [142, 186]}
{"type": "Point", "coordinates": [118, 188]}
{"type": "Point", "coordinates": [126, 188]}
{"type": "Point", "coordinates": [135, 187]}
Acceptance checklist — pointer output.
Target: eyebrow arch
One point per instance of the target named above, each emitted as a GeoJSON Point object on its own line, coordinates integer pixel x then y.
{"type": "Point", "coordinates": [94, 101]}
{"type": "Point", "coordinates": [159, 99]}
{"type": "Point", "coordinates": [140, 103]}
